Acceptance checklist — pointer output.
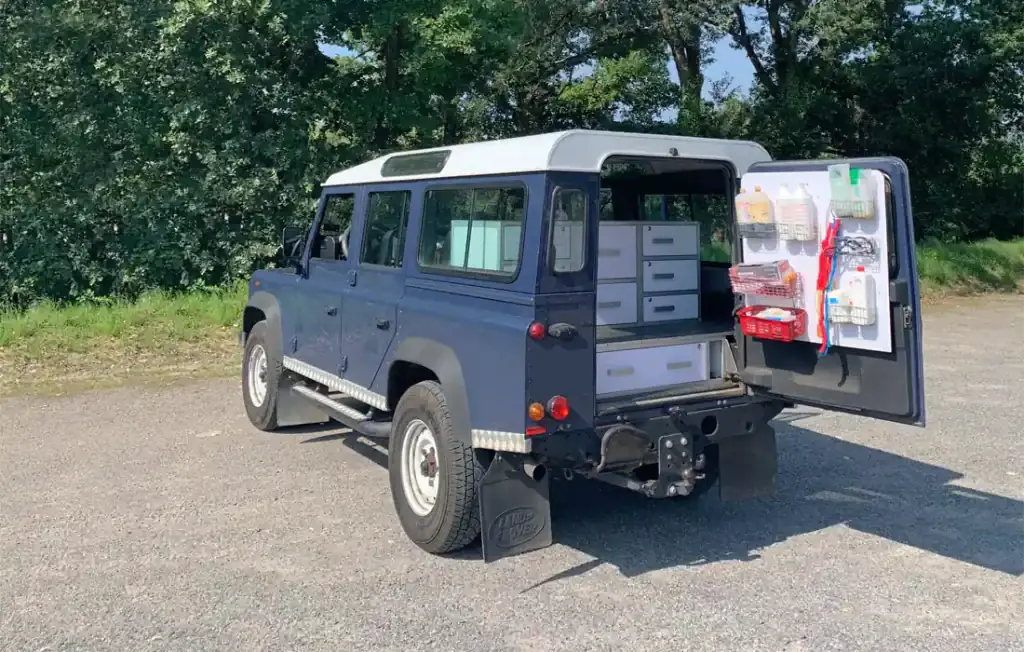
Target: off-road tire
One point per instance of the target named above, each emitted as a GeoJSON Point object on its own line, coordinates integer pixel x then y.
{"type": "Point", "coordinates": [454, 521]}
{"type": "Point", "coordinates": [262, 416]}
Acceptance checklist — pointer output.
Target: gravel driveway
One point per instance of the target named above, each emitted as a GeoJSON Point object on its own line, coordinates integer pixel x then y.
{"type": "Point", "coordinates": [157, 519]}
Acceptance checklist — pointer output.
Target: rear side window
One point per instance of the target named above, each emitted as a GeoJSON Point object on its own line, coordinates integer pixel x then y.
{"type": "Point", "coordinates": [473, 229]}
{"type": "Point", "coordinates": [568, 230]}
{"type": "Point", "coordinates": [384, 236]}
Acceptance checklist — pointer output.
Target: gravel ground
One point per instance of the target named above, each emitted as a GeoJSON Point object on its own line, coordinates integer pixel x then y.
{"type": "Point", "coordinates": [157, 519]}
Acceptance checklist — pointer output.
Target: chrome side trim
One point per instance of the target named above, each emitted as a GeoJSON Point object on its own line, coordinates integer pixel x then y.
{"type": "Point", "coordinates": [497, 440]}
{"type": "Point", "coordinates": [336, 383]}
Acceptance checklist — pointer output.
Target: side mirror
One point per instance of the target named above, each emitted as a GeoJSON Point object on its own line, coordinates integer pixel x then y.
{"type": "Point", "coordinates": [293, 240]}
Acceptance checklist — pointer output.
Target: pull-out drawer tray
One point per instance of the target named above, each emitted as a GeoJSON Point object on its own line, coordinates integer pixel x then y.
{"type": "Point", "coordinates": [649, 368]}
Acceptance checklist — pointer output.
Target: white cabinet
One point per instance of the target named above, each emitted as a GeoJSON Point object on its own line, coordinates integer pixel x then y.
{"type": "Point", "coordinates": [616, 252]}
{"type": "Point", "coordinates": [493, 245]}
{"type": "Point", "coordinates": [673, 239]}
{"type": "Point", "coordinates": [569, 246]}
{"type": "Point", "coordinates": [642, 369]}
{"type": "Point", "coordinates": [671, 275]}
{"type": "Point", "coordinates": [669, 307]}
{"type": "Point", "coordinates": [616, 303]}
{"type": "Point", "coordinates": [659, 262]}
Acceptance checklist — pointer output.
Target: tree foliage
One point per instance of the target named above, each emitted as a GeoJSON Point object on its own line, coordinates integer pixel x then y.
{"type": "Point", "coordinates": [165, 144]}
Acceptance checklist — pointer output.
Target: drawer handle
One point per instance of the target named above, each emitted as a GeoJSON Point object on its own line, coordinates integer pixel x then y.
{"type": "Point", "coordinates": [620, 371]}
{"type": "Point", "coordinates": [662, 240]}
{"type": "Point", "coordinates": [674, 366]}
{"type": "Point", "coordinates": [610, 304]}
{"type": "Point", "coordinates": [664, 308]}
{"type": "Point", "coordinates": [609, 252]}
{"type": "Point", "coordinates": [666, 276]}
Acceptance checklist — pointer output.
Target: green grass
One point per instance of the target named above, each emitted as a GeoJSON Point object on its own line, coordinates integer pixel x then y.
{"type": "Point", "coordinates": [969, 268]}
{"type": "Point", "coordinates": [161, 335]}
{"type": "Point", "coordinates": [52, 348]}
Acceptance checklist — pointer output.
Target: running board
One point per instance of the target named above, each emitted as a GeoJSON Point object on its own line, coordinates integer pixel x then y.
{"type": "Point", "coordinates": [344, 414]}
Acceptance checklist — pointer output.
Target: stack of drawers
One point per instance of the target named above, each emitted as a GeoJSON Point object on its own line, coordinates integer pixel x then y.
{"type": "Point", "coordinates": [648, 272]}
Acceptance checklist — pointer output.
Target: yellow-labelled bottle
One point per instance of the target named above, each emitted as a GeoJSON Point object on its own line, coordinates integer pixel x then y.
{"type": "Point", "coordinates": [760, 206]}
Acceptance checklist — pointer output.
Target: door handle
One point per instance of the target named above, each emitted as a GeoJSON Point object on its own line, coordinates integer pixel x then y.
{"type": "Point", "coordinates": [383, 324]}
{"type": "Point", "coordinates": [332, 311]}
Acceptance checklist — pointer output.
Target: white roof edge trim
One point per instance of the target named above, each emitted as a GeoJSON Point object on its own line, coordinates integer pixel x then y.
{"type": "Point", "coordinates": [567, 151]}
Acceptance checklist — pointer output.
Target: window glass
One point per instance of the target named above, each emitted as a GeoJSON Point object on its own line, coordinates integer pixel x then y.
{"type": "Point", "coordinates": [384, 235]}
{"type": "Point", "coordinates": [568, 224]}
{"type": "Point", "coordinates": [473, 229]}
{"type": "Point", "coordinates": [333, 227]}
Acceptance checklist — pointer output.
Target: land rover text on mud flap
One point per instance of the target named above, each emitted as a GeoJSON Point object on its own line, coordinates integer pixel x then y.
{"type": "Point", "coordinates": [629, 308]}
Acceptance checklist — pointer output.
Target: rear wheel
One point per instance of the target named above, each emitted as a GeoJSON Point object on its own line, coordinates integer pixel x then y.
{"type": "Point", "coordinates": [434, 476]}
{"type": "Point", "coordinates": [261, 375]}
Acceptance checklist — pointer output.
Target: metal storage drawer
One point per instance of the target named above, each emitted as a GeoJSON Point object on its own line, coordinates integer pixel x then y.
{"type": "Point", "coordinates": [671, 275]}
{"type": "Point", "coordinates": [616, 303]}
{"type": "Point", "coordinates": [671, 306]}
{"type": "Point", "coordinates": [634, 370]}
{"type": "Point", "coordinates": [671, 239]}
{"type": "Point", "coordinates": [616, 253]}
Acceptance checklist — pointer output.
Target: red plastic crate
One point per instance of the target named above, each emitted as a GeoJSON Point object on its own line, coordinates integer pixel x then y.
{"type": "Point", "coordinates": [776, 279]}
{"type": "Point", "coordinates": [769, 329]}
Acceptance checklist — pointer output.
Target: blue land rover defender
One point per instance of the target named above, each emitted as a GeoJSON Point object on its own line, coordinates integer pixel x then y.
{"type": "Point", "coordinates": [585, 302]}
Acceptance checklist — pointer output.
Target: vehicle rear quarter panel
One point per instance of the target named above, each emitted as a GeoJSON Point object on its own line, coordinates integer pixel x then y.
{"type": "Point", "coordinates": [486, 330]}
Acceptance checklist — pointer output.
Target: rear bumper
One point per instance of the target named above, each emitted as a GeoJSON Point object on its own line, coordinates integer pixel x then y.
{"type": "Point", "coordinates": [625, 442]}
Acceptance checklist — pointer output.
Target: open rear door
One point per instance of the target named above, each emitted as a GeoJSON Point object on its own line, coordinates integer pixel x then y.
{"type": "Point", "coordinates": [873, 365]}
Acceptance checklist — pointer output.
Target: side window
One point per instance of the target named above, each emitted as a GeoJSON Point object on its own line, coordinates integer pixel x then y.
{"type": "Point", "coordinates": [473, 229]}
{"type": "Point", "coordinates": [384, 235]}
{"type": "Point", "coordinates": [568, 230]}
{"type": "Point", "coordinates": [334, 227]}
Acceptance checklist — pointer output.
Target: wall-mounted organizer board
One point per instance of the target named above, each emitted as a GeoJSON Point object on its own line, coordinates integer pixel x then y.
{"type": "Point", "coordinates": [648, 272]}
{"type": "Point", "coordinates": [803, 257]}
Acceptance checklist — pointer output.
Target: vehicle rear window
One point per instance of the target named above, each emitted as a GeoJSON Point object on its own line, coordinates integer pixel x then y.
{"type": "Point", "coordinates": [476, 230]}
{"type": "Point", "coordinates": [568, 230]}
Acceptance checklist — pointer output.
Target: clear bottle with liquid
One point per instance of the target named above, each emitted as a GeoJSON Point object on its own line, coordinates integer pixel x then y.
{"type": "Point", "coordinates": [796, 214]}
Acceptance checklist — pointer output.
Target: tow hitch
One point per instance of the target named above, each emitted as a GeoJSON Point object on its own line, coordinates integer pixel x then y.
{"type": "Point", "coordinates": [677, 472]}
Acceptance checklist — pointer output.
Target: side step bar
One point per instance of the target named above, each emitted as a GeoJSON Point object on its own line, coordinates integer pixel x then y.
{"type": "Point", "coordinates": [344, 414]}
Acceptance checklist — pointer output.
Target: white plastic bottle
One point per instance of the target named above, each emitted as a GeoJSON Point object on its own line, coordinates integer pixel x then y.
{"type": "Point", "coordinates": [798, 217]}
{"type": "Point", "coordinates": [860, 291]}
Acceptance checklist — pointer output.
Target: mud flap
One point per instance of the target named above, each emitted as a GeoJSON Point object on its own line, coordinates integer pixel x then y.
{"type": "Point", "coordinates": [515, 510]}
{"type": "Point", "coordinates": [748, 465]}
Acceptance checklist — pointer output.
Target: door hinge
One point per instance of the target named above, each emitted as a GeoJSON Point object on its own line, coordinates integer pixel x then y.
{"type": "Point", "coordinates": [908, 317]}
{"type": "Point", "coordinates": [295, 344]}
{"type": "Point", "coordinates": [344, 364]}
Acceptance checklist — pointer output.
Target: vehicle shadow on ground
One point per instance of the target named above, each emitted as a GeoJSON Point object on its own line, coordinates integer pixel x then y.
{"type": "Point", "coordinates": [823, 481]}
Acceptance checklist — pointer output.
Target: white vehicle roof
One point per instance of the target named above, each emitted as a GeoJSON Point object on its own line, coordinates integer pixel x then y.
{"type": "Point", "coordinates": [568, 151]}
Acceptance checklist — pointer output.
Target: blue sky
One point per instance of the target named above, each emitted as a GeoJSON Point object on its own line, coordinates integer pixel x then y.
{"type": "Point", "coordinates": [728, 61]}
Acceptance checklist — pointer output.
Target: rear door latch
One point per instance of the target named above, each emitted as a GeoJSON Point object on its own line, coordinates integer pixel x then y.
{"type": "Point", "coordinates": [908, 317]}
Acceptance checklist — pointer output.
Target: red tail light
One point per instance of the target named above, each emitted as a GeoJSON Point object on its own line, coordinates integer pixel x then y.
{"type": "Point", "coordinates": [558, 408]}
{"type": "Point", "coordinates": [533, 431]}
{"type": "Point", "coordinates": [537, 330]}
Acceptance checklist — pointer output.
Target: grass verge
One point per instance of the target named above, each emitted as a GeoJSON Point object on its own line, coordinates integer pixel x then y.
{"type": "Point", "coordinates": [52, 349]}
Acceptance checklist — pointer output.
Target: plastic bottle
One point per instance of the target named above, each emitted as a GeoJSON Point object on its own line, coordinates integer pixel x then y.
{"type": "Point", "coordinates": [797, 215]}
{"type": "Point", "coordinates": [860, 291]}
{"type": "Point", "coordinates": [760, 206]}
{"type": "Point", "coordinates": [743, 206]}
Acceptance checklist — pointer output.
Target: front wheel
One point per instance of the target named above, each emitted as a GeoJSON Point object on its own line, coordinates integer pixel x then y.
{"type": "Point", "coordinates": [434, 476]}
{"type": "Point", "coordinates": [261, 375]}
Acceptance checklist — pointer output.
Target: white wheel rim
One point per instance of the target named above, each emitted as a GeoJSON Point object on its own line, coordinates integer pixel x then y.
{"type": "Point", "coordinates": [421, 473]}
{"type": "Point", "coordinates": [257, 375]}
